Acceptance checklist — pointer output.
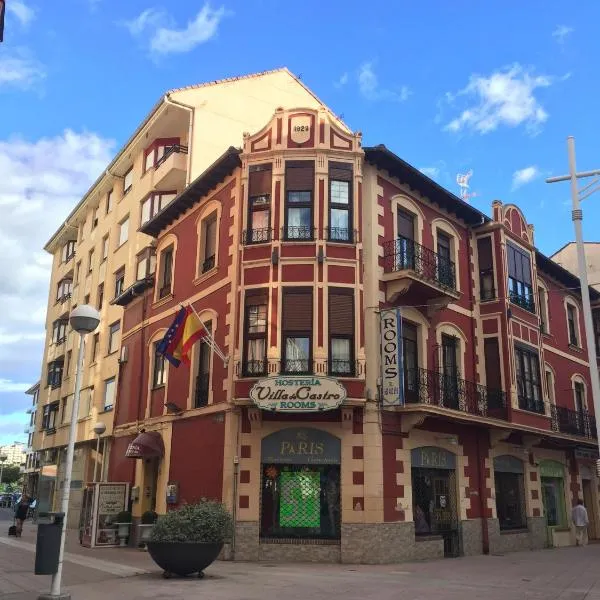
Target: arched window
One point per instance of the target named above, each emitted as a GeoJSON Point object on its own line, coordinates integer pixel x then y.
{"type": "Point", "coordinates": [572, 315]}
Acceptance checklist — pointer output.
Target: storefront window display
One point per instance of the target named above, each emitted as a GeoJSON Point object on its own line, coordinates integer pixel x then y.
{"type": "Point", "coordinates": [553, 493]}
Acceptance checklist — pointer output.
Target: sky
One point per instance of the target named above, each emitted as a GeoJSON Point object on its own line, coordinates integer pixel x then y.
{"type": "Point", "coordinates": [451, 87]}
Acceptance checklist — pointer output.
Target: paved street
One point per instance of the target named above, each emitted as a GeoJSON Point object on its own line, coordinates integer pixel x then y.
{"type": "Point", "coordinates": [562, 574]}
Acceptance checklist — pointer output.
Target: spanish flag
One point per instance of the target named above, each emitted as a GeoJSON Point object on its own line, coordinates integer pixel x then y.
{"type": "Point", "coordinates": [185, 331]}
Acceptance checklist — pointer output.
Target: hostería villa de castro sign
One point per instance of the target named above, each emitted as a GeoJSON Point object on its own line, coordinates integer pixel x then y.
{"type": "Point", "coordinates": [298, 393]}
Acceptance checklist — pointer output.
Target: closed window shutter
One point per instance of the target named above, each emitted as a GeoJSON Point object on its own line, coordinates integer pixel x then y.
{"type": "Point", "coordinates": [340, 171]}
{"type": "Point", "coordinates": [484, 250]}
{"type": "Point", "coordinates": [297, 310]}
{"type": "Point", "coordinates": [300, 175]}
{"type": "Point", "coordinates": [341, 312]}
{"type": "Point", "coordinates": [260, 180]}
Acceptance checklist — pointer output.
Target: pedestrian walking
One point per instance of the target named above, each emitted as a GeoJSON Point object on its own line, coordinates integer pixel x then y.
{"type": "Point", "coordinates": [21, 512]}
{"type": "Point", "coordinates": [581, 522]}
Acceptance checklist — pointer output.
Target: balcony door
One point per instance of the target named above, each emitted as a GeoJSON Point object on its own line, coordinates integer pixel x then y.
{"type": "Point", "coordinates": [449, 371]}
{"type": "Point", "coordinates": [405, 245]}
{"type": "Point", "coordinates": [411, 362]}
{"type": "Point", "coordinates": [444, 260]}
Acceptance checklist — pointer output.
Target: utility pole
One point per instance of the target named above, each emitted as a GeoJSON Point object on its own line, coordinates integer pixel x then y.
{"type": "Point", "coordinates": [577, 195]}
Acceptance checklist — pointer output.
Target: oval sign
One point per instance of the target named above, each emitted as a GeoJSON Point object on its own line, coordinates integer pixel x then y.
{"type": "Point", "coordinates": [298, 393]}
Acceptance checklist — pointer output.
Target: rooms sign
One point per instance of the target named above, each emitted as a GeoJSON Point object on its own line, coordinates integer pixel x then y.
{"type": "Point", "coordinates": [295, 393]}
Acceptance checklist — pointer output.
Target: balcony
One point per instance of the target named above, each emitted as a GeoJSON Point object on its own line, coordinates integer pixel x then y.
{"type": "Point", "coordinates": [525, 302]}
{"type": "Point", "coordinates": [257, 236]}
{"type": "Point", "coordinates": [437, 389]}
{"type": "Point", "coordinates": [573, 422]}
{"type": "Point", "coordinates": [340, 235]}
{"type": "Point", "coordinates": [171, 168]}
{"type": "Point", "coordinates": [417, 273]}
{"type": "Point", "coordinates": [297, 233]}
{"type": "Point", "coordinates": [276, 366]}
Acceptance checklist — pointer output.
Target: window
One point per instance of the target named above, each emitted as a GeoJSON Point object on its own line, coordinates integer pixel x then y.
{"type": "Point", "coordinates": [297, 321]}
{"type": "Point", "coordinates": [519, 277]}
{"type": "Point", "coordinates": [86, 299]}
{"type": "Point", "coordinates": [95, 345]}
{"type": "Point", "coordinates": [104, 248]}
{"type": "Point", "coordinates": [404, 246]}
{"type": "Point", "coordinates": [119, 282]}
{"type": "Point", "coordinates": [259, 204]}
{"type": "Point", "coordinates": [64, 289]}
{"type": "Point", "coordinates": [209, 237]}
{"type": "Point", "coordinates": [91, 260]}
{"type": "Point", "coordinates": [510, 492]}
{"type": "Point", "coordinates": [95, 218]}
{"type": "Point", "coordinates": [341, 331]}
{"type": "Point", "coordinates": [77, 271]}
{"type": "Point", "coordinates": [100, 301]}
{"type": "Point", "coordinates": [109, 393]}
{"type": "Point", "coordinates": [146, 263]}
{"type": "Point", "coordinates": [67, 407]}
{"type": "Point", "coordinates": [86, 402]}
{"type": "Point", "coordinates": [255, 333]}
{"type": "Point", "coordinates": [109, 201]}
{"type": "Point", "coordinates": [528, 380]}
{"type": "Point", "coordinates": [579, 397]}
{"type": "Point", "coordinates": [155, 153]}
{"type": "Point", "coordinates": [550, 386]}
{"type": "Point", "coordinates": [123, 230]}
{"type": "Point", "coordinates": [113, 337]}
{"type": "Point", "coordinates": [203, 377]}
{"type": "Point", "coordinates": [486, 269]}
{"type": "Point", "coordinates": [55, 373]}
{"type": "Point", "coordinates": [154, 203]}
{"type": "Point", "coordinates": [572, 325]}
{"type": "Point", "coordinates": [299, 186]}
{"type": "Point", "coordinates": [166, 272]}
{"type": "Point", "coordinates": [410, 347]}
{"type": "Point", "coordinates": [49, 417]}
{"type": "Point", "coordinates": [445, 265]}
{"type": "Point", "coordinates": [128, 181]}
{"type": "Point", "coordinates": [68, 251]}
{"type": "Point", "coordinates": [59, 331]}
{"type": "Point", "coordinates": [159, 374]}
{"type": "Point", "coordinates": [340, 202]}
{"type": "Point", "coordinates": [67, 364]}
{"type": "Point", "coordinates": [543, 309]}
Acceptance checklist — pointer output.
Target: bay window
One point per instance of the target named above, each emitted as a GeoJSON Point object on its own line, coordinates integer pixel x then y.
{"type": "Point", "coordinates": [259, 204]}
{"type": "Point", "coordinates": [155, 152]}
{"type": "Point", "coordinates": [529, 388]}
{"type": "Point", "coordinates": [146, 263]}
{"type": "Point", "coordinates": [255, 333]}
{"type": "Point", "coordinates": [154, 203]}
{"type": "Point", "coordinates": [340, 202]}
{"type": "Point", "coordinates": [299, 188]}
{"type": "Point", "coordinates": [519, 277]}
{"type": "Point", "coordinates": [68, 251]}
{"type": "Point", "coordinates": [297, 324]}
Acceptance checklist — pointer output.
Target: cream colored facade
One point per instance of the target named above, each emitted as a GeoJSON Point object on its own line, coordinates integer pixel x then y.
{"type": "Point", "coordinates": [207, 119]}
{"type": "Point", "coordinates": [567, 258]}
{"type": "Point", "coordinates": [15, 454]}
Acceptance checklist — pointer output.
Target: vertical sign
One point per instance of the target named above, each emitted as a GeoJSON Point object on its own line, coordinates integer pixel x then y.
{"type": "Point", "coordinates": [392, 358]}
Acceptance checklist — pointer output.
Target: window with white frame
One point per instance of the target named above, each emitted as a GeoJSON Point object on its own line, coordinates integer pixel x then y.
{"type": "Point", "coordinates": [113, 337]}
{"type": "Point", "coordinates": [159, 372]}
{"type": "Point", "coordinates": [208, 247]}
{"type": "Point", "coordinates": [104, 248]}
{"type": "Point", "coordinates": [154, 203]}
{"type": "Point", "coordinates": [109, 393]}
{"type": "Point", "coordinates": [165, 279]}
{"type": "Point", "coordinates": [68, 251]}
{"type": "Point", "coordinates": [128, 181]}
{"type": "Point", "coordinates": [146, 263]}
{"type": "Point", "coordinates": [123, 230]}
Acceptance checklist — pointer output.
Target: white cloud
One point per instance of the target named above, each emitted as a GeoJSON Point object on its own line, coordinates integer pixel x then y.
{"type": "Point", "coordinates": [21, 11]}
{"type": "Point", "coordinates": [562, 32]}
{"type": "Point", "coordinates": [165, 37]}
{"type": "Point", "coordinates": [42, 181]}
{"type": "Point", "coordinates": [342, 81]}
{"type": "Point", "coordinates": [6, 385]}
{"type": "Point", "coordinates": [368, 83]}
{"type": "Point", "coordinates": [506, 97]}
{"type": "Point", "coordinates": [524, 176]}
{"type": "Point", "coordinates": [19, 70]}
{"type": "Point", "coordinates": [431, 172]}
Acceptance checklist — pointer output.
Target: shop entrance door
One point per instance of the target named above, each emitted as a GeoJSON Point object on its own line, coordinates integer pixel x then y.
{"type": "Point", "coordinates": [588, 501]}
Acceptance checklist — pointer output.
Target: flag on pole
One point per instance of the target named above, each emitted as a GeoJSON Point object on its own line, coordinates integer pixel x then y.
{"type": "Point", "coordinates": [185, 331]}
{"type": "Point", "coordinates": [2, 10]}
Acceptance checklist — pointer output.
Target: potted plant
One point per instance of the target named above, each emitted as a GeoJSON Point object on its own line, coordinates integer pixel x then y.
{"type": "Point", "coordinates": [189, 539]}
{"type": "Point", "coordinates": [123, 522]}
{"type": "Point", "coordinates": [149, 519]}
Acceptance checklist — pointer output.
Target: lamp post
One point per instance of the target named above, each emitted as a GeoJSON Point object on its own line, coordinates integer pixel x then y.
{"type": "Point", "coordinates": [84, 319]}
{"type": "Point", "coordinates": [99, 429]}
{"type": "Point", "coordinates": [577, 216]}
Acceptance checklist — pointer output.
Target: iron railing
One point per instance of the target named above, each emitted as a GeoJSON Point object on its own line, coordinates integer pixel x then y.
{"type": "Point", "coordinates": [573, 422]}
{"type": "Point", "coordinates": [525, 302]}
{"type": "Point", "coordinates": [406, 254]}
{"type": "Point", "coordinates": [257, 236]}
{"type": "Point", "coordinates": [297, 233]}
{"type": "Point", "coordinates": [340, 234]}
{"type": "Point", "coordinates": [65, 297]}
{"type": "Point", "coordinates": [422, 386]}
{"type": "Point", "coordinates": [208, 264]}
{"type": "Point", "coordinates": [276, 366]}
{"type": "Point", "coordinates": [175, 149]}
{"type": "Point", "coordinates": [202, 389]}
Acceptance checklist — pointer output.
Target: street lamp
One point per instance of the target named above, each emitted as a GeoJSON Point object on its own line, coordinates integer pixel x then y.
{"type": "Point", "coordinates": [577, 216]}
{"type": "Point", "coordinates": [99, 429]}
{"type": "Point", "coordinates": [84, 319]}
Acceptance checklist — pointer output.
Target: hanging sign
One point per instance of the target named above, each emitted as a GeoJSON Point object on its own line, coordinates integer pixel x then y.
{"type": "Point", "coordinates": [392, 358]}
{"type": "Point", "coordinates": [293, 393]}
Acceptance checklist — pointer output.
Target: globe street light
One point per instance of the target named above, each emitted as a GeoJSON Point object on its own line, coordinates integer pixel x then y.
{"type": "Point", "coordinates": [99, 429]}
{"type": "Point", "coordinates": [84, 319]}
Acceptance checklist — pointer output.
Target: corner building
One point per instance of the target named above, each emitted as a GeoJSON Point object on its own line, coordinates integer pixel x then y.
{"type": "Point", "coordinates": [288, 250]}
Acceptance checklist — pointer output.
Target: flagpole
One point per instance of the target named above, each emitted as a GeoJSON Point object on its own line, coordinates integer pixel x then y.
{"type": "Point", "coordinates": [213, 344]}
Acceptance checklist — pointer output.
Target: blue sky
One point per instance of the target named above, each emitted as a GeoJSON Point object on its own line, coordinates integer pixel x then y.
{"type": "Point", "coordinates": [449, 86]}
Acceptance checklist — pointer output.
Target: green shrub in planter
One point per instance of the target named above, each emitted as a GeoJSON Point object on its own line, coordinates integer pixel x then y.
{"type": "Point", "coordinates": [206, 522]}
{"type": "Point", "coordinates": [123, 517]}
{"type": "Point", "coordinates": [149, 517]}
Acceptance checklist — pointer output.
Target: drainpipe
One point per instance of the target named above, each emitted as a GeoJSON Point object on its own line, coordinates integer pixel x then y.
{"type": "Point", "coordinates": [190, 109]}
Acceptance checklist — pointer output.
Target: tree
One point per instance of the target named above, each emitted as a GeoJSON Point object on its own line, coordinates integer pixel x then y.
{"type": "Point", "coordinates": [11, 474]}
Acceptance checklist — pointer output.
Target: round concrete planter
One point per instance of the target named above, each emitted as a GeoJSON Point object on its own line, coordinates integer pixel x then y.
{"type": "Point", "coordinates": [183, 558]}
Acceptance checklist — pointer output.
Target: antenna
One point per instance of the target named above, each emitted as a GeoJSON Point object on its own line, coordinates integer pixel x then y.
{"type": "Point", "coordinates": [463, 183]}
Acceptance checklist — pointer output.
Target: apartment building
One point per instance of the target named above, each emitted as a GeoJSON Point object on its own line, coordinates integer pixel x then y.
{"type": "Point", "coordinates": [32, 463]}
{"type": "Point", "coordinates": [291, 250]}
{"type": "Point", "coordinates": [15, 453]}
{"type": "Point", "coordinates": [101, 250]}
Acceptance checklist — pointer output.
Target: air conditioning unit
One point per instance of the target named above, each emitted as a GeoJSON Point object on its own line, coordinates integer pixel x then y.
{"type": "Point", "coordinates": [124, 355]}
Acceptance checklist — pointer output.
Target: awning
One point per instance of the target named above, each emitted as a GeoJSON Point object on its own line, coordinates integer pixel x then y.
{"type": "Point", "coordinates": [146, 445]}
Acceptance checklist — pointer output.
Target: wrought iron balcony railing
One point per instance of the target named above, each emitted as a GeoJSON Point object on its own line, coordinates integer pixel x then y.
{"type": "Point", "coordinates": [276, 366]}
{"type": "Point", "coordinates": [257, 236]}
{"type": "Point", "coordinates": [436, 388]}
{"type": "Point", "coordinates": [573, 422]}
{"type": "Point", "coordinates": [525, 302]}
{"type": "Point", "coordinates": [342, 235]}
{"type": "Point", "coordinates": [297, 233]}
{"type": "Point", "coordinates": [175, 149]}
{"type": "Point", "coordinates": [404, 254]}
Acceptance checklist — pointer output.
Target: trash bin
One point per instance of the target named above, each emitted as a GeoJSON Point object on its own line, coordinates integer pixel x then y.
{"type": "Point", "coordinates": [47, 545]}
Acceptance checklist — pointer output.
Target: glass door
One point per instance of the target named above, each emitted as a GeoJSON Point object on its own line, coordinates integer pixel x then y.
{"type": "Point", "coordinates": [450, 371]}
{"type": "Point", "coordinates": [405, 245]}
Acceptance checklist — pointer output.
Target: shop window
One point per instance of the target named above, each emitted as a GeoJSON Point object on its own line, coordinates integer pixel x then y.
{"type": "Point", "coordinates": [259, 204]}
{"type": "Point", "coordinates": [299, 192]}
{"type": "Point", "coordinates": [543, 304]}
{"type": "Point", "coordinates": [573, 324]}
{"type": "Point", "coordinates": [255, 333]}
{"type": "Point", "coordinates": [519, 277]}
{"type": "Point", "coordinates": [528, 380]}
{"type": "Point", "coordinates": [159, 372]}
{"type": "Point", "coordinates": [553, 493]}
{"type": "Point", "coordinates": [166, 272]}
{"type": "Point", "coordinates": [487, 289]}
{"type": "Point", "coordinates": [340, 202]}
{"type": "Point", "coordinates": [119, 282]}
{"type": "Point", "coordinates": [146, 263]}
{"type": "Point", "coordinates": [341, 331]}
{"type": "Point", "coordinates": [208, 247]}
{"type": "Point", "coordinates": [510, 493]}
{"type": "Point", "coordinates": [297, 323]}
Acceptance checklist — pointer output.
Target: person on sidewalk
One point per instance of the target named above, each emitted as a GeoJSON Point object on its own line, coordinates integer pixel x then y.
{"type": "Point", "coordinates": [581, 522]}
{"type": "Point", "coordinates": [21, 511]}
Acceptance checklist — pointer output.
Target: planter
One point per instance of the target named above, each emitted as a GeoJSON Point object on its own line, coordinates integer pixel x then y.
{"type": "Point", "coordinates": [144, 531]}
{"type": "Point", "coordinates": [184, 558]}
{"type": "Point", "coordinates": [123, 533]}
